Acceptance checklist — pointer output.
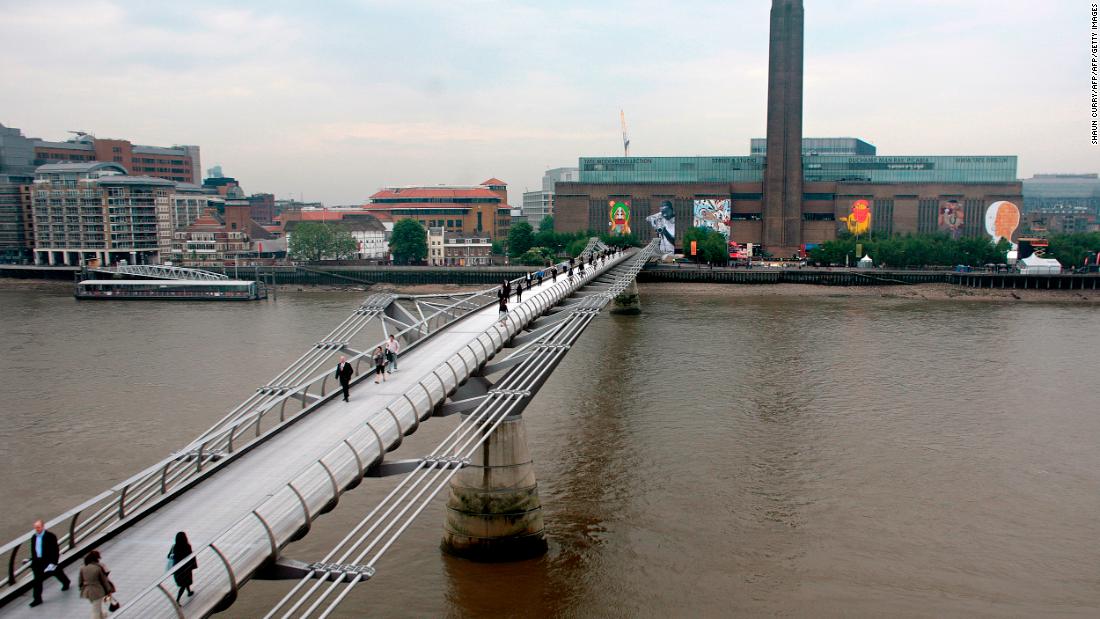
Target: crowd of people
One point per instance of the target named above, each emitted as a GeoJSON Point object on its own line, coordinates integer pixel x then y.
{"type": "Point", "coordinates": [593, 260]}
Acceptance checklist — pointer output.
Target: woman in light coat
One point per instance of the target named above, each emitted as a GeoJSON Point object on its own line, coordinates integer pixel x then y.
{"type": "Point", "coordinates": [94, 584]}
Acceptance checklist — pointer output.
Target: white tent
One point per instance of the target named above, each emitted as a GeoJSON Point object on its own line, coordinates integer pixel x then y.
{"type": "Point", "coordinates": [865, 262]}
{"type": "Point", "coordinates": [1034, 265]}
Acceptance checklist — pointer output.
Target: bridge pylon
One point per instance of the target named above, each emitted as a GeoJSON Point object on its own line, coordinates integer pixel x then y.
{"type": "Point", "coordinates": [493, 511]}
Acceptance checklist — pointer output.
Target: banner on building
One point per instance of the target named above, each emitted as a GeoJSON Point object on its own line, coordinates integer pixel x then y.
{"type": "Point", "coordinates": [713, 214]}
{"type": "Point", "coordinates": [618, 217]}
{"type": "Point", "coordinates": [664, 226]}
{"type": "Point", "coordinates": [858, 219]}
{"type": "Point", "coordinates": [951, 218]}
{"type": "Point", "coordinates": [1001, 220]}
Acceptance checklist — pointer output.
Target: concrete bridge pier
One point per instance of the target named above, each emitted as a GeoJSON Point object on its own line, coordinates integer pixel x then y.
{"type": "Point", "coordinates": [493, 511]}
{"type": "Point", "coordinates": [627, 302]}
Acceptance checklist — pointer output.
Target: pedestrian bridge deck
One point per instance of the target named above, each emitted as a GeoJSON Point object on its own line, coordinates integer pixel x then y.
{"type": "Point", "coordinates": [236, 496]}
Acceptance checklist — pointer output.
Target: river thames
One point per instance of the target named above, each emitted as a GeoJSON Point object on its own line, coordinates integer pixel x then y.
{"type": "Point", "coordinates": [719, 455]}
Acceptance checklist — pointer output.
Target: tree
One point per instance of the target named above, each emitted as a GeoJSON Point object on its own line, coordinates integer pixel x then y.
{"type": "Point", "coordinates": [710, 245]}
{"type": "Point", "coordinates": [520, 238]}
{"type": "Point", "coordinates": [408, 242]}
{"type": "Point", "coordinates": [498, 248]}
{"type": "Point", "coordinates": [315, 241]}
{"type": "Point", "coordinates": [536, 257]}
{"type": "Point", "coordinates": [618, 240]}
{"type": "Point", "coordinates": [547, 224]}
{"type": "Point", "coordinates": [1072, 249]}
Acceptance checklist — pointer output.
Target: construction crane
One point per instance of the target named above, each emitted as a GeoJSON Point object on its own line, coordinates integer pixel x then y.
{"type": "Point", "coordinates": [626, 140]}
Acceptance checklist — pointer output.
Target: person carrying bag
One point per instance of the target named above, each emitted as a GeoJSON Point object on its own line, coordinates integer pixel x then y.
{"type": "Point", "coordinates": [95, 586]}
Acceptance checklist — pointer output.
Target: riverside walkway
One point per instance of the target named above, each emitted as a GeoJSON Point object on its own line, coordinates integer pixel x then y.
{"type": "Point", "coordinates": [257, 495]}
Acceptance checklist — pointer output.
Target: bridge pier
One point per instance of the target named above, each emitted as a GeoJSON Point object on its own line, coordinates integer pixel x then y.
{"type": "Point", "coordinates": [627, 302]}
{"type": "Point", "coordinates": [493, 511]}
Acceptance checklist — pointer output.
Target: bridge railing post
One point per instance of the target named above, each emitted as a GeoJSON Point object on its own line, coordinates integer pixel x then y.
{"type": "Point", "coordinates": [122, 502]}
{"type": "Point", "coordinates": [72, 529]}
{"type": "Point", "coordinates": [198, 459]}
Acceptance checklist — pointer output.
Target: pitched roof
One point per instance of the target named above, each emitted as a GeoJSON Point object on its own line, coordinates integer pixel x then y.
{"type": "Point", "coordinates": [494, 181]}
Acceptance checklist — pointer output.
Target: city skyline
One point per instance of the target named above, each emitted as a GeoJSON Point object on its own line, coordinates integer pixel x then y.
{"type": "Point", "coordinates": [322, 104]}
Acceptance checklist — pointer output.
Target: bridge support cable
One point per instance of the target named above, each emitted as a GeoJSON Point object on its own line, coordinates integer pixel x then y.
{"type": "Point", "coordinates": [385, 523]}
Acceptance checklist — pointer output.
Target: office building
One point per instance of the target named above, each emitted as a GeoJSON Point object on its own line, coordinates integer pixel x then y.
{"type": "Point", "coordinates": [540, 204]}
{"type": "Point", "coordinates": [175, 163]}
{"type": "Point", "coordinates": [1062, 193]}
{"type": "Point", "coordinates": [16, 177]}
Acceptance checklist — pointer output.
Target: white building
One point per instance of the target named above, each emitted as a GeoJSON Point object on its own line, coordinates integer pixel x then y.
{"type": "Point", "coordinates": [540, 204]}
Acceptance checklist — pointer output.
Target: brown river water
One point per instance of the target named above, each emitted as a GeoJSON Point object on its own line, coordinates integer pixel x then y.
{"type": "Point", "coordinates": [719, 455]}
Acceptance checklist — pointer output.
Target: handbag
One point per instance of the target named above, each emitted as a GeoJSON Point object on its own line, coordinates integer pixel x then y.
{"type": "Point", "coordinates": [112, 603]}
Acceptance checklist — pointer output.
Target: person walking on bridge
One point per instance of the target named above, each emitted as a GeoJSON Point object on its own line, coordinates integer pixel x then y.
{"type": "Point", "coordinates": [554, 273]}
{"type": "Point", "coordinates": [44, 558]}
{"type": "Point", "coordinates": [181, 550]}
{"type": "Point", "coordinates": [392, 348]}
{"type": "Point", "coordinates": [343, 374]}
{"type": "Point", "coordinates": [502, 312]}
{"type": "Point", "coordinates": [519, 291]}
{"type": "Point", "coordinates": [379, 358]}
{"type": "Point", "coordinates": [94, 584]}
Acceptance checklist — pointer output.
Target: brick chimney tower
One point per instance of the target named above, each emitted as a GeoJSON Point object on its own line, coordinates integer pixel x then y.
{"type": "Point", "coordinates": [783, 173]}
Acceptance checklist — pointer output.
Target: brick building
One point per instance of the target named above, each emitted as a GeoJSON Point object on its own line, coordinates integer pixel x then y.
{"type": "Point", "coordinates": [175, 163]}
{"type": "Point", "coordinates": [477, 210]}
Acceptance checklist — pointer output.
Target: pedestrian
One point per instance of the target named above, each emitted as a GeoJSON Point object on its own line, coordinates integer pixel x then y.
{"type": "Point", "coordinates": [519, 291]}
{"type": "Point", "coordinates": [554, 273]}
{"type": "Point", "coordinates": [569, 273]}
{"type": "Point", "coordinates": [392, 348]}
{"type": "Point", "coordinates": [506, 289]}
{"type": "Point", "coordinates": [571, 261]}
{"type": "Point", "coordinates": [183, 576]}
{"type": "Point", "coordinates": [530, 278]}
{"type": "Point", "coordinates": [343, 374]}
{"type": "Point", "coordinates": [379, 364]}
{"type": "Point", "coordinates": [540, 277]}
{"type": "Point", "coordinates": [44, 557]}
{"type": "Point", "coordinates": [94, 584]}
{"type": "Point", "coordinates": [502, 312]}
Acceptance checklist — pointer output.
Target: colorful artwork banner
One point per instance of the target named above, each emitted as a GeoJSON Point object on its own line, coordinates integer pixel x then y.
{"type": "Point", "coordinates": [713, 214]}
{"type": "Point", "coordinates": [618, 217]}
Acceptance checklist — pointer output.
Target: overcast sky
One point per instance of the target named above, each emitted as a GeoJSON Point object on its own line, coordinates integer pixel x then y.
{"type": "Point", "coordinates": [333, 100]}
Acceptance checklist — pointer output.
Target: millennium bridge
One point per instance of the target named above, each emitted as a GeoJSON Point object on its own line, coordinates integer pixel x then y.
{"type": "Point", "coordinates": [254, 481]}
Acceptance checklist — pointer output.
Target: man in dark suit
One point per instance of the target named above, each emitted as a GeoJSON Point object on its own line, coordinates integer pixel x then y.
{"type": "Point", "coordinates": [343, 373]}
{"type": "Point", "coordinates": [44, 557]}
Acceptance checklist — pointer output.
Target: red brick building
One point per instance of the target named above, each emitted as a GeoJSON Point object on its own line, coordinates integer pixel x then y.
{"type": "Point", "coordinates": [176, 163]}
{"type": "Point", "coordinates": [476, 210]}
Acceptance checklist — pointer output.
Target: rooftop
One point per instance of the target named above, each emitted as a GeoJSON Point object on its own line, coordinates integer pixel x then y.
{"type": "Point", "coordinates": [391, 193]}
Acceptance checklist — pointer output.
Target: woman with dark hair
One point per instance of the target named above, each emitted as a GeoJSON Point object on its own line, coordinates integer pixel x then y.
{"type": "Point", "coordinates": [181, 550]}
{"type": "Point", "coordinates": [94, 584]}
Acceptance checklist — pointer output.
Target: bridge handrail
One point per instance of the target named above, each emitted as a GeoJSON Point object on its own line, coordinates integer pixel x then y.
{"type": "Point", "coordinates": [311, 504]}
